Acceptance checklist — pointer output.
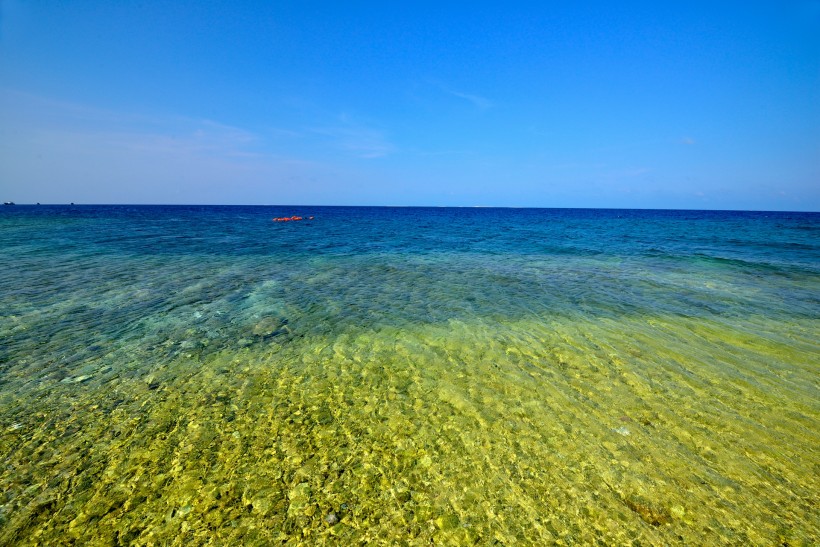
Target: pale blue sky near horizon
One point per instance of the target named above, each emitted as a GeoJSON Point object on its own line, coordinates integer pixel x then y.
{"type": "Point", "coordinates": [695, 105]}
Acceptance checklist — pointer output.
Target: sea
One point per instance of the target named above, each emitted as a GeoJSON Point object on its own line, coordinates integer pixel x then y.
{"type": "Point", "coordinates": [205, 375]}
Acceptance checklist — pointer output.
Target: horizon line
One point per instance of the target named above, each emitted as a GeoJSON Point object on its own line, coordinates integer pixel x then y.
{"type": "Point", "coordinates": [74, 204]}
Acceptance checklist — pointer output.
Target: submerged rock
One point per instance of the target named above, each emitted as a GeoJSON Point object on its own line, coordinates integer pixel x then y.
{"type": "Point", "coordinates": [77, 379]}
{"type": "Point", "coordinates": [448, 521]}
{"type": "Point", "coordinates": [299, 497]}
{"type": "Point", "coordinates": [648, 511]}
{"type": "Point", "coordinates": [270, 326]}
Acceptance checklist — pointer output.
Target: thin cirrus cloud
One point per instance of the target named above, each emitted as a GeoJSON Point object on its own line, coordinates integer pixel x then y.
{"type": "Point", "coordinates": [478, 101]}
{"type": "Point", "coordinates": [55, 152]}
{"type": "Point", "coordinates": [190, 138]}
{"type": "Point", "coordinates": [355, 138]}
{"type": "Point", "coordinates": [60, 151]}
{"type": "Point", "coordinates": [50, 124]}
{"type": "Point", "coordinates": [47, 123]}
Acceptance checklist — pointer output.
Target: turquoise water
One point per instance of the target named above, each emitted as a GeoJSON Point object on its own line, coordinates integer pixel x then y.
{"type": "Point", "coordinates": [205, 376]}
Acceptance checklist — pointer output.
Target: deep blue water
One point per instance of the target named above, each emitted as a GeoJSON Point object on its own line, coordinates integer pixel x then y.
{"type": "Point", "coordinates": [762, 238]}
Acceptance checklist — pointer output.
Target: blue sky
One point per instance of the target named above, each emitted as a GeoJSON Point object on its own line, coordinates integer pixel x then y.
{"type": "Point", "coordinates": [710, 105]}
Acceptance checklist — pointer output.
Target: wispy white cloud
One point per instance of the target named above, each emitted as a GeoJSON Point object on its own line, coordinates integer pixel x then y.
{"type": "Point", "coordinates": [635, 172]}
{"type": "Point", "coordinates": [356, 138]}
{"type": "Point", "coordinates": [57, 151]}
{"type": "Point", "coordinates": [482, 103]}
{"type": "Point", "coordinates": [191, 137]}
{"type": "Point", "coordinates": [42, 116]}
{"type": "Point", "coordinates": [687, 140]}
{"type": "Point", "coordinates": [445, 152]}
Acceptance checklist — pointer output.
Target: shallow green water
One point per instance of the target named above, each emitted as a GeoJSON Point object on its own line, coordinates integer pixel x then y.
{"type": "Point", "coordinates": [574, 380]}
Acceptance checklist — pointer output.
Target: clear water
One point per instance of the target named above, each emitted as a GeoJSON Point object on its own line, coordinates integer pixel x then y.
{"type": "Point", "coordinates": [204, 376]}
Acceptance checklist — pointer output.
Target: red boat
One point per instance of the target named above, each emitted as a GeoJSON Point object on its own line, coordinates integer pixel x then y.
{"type": "Point", "coordinates": [293, 218]}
